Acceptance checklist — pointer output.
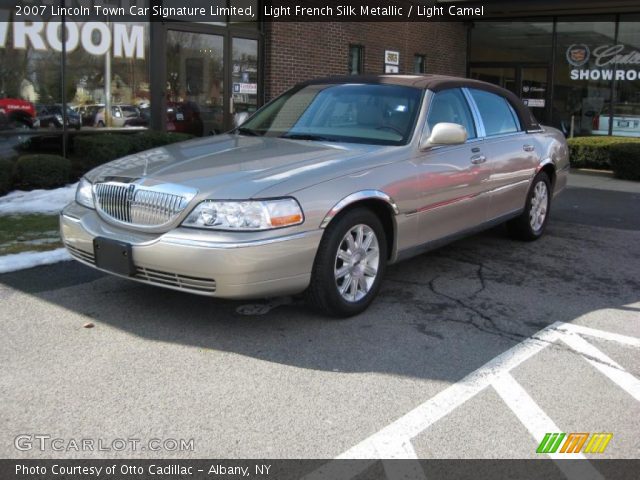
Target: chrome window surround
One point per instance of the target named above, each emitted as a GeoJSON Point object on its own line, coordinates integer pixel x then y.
{"type": "Point", "coordinates": [480, 123]}
{"type": "Point", "coordinates": [481, 133]}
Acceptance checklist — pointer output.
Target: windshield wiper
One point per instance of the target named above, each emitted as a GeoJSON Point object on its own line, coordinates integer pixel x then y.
{"type": "Point", "coordinates": [304, 136]}
{"type": "Point", "coordinates": [247, 131]}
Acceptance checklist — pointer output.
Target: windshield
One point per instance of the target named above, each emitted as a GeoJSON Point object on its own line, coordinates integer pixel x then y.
{"type": "Point", "coordinates": [358, 113]}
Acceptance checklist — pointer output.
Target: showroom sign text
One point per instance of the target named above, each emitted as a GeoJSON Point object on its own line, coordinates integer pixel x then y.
{"type": "Point", "coordinates": [96, 38]}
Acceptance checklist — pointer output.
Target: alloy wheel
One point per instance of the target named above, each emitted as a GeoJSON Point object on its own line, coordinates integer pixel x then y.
{"type": "Point", "coordinates": [539, 206]}
{"type": "Point", "coordinates": [356, 263]}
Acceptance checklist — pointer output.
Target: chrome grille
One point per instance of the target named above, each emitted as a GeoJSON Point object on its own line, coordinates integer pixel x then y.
{"type": "Point", "coordinates": [144, 206]}
{"type": "Point", "coordinates": [196, 284]}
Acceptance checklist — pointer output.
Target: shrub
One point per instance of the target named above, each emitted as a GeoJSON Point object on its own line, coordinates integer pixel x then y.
{"type": "Point", "coordinates": [625, 160]}
{"type": "Point", "coordinates": [6, 175]}
{"type": "Point", "coordinates": [594, 152]}
{"type": "Point", "coordinates": [93, 150]}
{"type": "Point", "coordinates": [42, 171]}
{"type": "Point", "coordinates": [147, 140]}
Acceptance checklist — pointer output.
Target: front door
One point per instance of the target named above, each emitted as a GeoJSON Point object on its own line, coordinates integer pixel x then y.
{"type": "Point", "coordinates": [211, 78]}
{"type": "Point", "coordinates": [195, 83]}
{"type": "Point", "coordinates": [453, 180]}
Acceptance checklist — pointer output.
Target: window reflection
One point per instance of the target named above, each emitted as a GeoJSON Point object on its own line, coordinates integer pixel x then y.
{"type": "Point", "coordinates": [581, 104]}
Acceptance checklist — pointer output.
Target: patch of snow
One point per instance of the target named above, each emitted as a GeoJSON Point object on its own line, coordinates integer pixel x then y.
{"type": "Point", "coordinates": [37, 201]}
{"type": "Point", "coordinates": [21, 261]}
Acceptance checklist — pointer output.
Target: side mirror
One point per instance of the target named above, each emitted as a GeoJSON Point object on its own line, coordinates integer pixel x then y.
{"type": "Point", "coordinates": [445, 134]}
{"type": "Point", "coordinates": [240, 118]}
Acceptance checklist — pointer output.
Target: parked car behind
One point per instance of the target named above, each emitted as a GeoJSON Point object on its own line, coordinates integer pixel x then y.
{"type": "Point", "coordinates": [626, 120]}
{"type": "Point", "coordinates": [16, 113]}
{"type": "Point", "coordinates": [50, 116]}
{"type": "Point", "coordinates": [321, 189]}
{"type": "Point", "coordinates": [119, 115]}
{"type": "Point", "coordinates": [183, 117]}
{"type": "Point", "coordinates": [88, 113]}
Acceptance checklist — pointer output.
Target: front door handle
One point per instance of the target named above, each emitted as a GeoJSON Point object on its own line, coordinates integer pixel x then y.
{"type": "Point", "coordinates": [478, 159]}
{"type": "Point", "coordinates": [528, 148]}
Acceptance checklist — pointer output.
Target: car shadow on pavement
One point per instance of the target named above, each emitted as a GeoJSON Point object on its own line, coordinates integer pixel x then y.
{"type": "Point", "coordinates": [439, 316]}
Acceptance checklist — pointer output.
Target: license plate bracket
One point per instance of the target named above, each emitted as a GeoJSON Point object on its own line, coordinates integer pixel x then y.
{"type": "Point", "coordinates": [113, 256]}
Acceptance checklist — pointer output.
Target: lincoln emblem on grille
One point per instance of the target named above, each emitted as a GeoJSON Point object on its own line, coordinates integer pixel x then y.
{"type": "Point", "coordinates": [131, 193]}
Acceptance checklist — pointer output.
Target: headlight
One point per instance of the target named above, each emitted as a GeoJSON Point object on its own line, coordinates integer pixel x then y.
{"type": "Point", "coordinates": [248, 215]}
{"type": "Point", "coordinates": [84, 194]}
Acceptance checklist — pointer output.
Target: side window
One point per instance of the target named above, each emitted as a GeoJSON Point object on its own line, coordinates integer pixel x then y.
{"type": "Point", "coordinates": [451, 106]}
{"type": "Point", "coordinates": [497, 114]}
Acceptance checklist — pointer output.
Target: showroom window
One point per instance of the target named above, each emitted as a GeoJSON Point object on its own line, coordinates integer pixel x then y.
{"type": "Point", "coordinates": [625, 120]}
{"type": "Point", "coordinates": [47, 91]}
{"type": "Point", "coordinates": [521, 41]}
{"type": "Point", "coordinates": [356, 59]}
{"type": "Point", "coordinates": [582, 83]}
{"type": "Point", "coordinates": [588, 85]}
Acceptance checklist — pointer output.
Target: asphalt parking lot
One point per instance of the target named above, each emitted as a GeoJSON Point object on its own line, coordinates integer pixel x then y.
{"type": "Point", "coordinates": [471, 351]}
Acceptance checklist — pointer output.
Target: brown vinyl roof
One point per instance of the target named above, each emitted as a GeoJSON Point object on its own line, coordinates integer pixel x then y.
{"type": "Point", "coordinates": [436, 83]}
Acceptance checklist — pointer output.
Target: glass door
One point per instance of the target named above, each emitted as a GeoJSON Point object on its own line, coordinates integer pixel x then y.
{"type": "Point", "coordinates": [529, 82]}
{"type": "Point", "coordinates": [505, 77]}
{"type": "Point", "coordinates": [534, 90]}
{"type": "Point", "coordinates": [244, 79]}
{"type": "Point", "coordinates": [195, 87]}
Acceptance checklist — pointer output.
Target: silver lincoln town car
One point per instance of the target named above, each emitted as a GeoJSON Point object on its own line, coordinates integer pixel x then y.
{"type": "Point", "coordinates": [321, 189]}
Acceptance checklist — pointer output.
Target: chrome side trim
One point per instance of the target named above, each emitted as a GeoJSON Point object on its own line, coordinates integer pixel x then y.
{"type": "Point", "coordinates": [167, 239]}
{"type": "Point", "coordinates": [511, 185]}
{"type": "Point", "coordinates": [356, 197]}
{"type": "Point", "coordinates": [445, 203]}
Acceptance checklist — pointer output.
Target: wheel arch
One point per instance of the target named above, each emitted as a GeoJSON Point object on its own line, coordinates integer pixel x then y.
{"type": "Point", "coordinates": [379, 202]}
{"type": "Point", "coordinates": [547, 166]}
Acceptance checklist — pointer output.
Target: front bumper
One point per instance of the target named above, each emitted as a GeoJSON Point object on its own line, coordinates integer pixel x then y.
{"type": "Point", "coordinates": [219, 264]}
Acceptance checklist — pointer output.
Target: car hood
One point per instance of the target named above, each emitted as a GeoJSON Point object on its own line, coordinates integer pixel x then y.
{"type": "Point", "coordinates": [236, 167]}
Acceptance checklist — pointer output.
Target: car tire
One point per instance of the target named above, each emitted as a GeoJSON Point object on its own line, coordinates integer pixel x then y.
{"type": "Point", "coordinates": [344, 282]}
{"type": "Point", "coordinates": [530, 225]}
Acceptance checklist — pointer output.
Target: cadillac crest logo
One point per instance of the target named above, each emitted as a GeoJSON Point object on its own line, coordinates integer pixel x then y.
{"type": "Point", "coordinates": [578, 54]}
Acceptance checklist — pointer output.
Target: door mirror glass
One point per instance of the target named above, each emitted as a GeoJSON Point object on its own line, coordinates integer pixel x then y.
{"type": "Point", "coordinates": [445, 134]}
{"type": "Point", "coordinates": [240, 118]}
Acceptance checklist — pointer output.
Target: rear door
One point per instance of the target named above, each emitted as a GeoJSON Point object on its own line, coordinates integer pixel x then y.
{"type": "Point", "coordinates": [452, 179]}
{"type": "Point", "coordinates": [509, 152]}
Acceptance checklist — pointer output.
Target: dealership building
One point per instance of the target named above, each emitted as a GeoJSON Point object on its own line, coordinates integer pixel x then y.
{"type": "Point", "coordinates": [575, 63]}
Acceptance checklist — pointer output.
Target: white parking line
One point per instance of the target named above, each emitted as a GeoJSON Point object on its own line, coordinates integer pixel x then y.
{"type": "Point", "coordinates": [592, 332]}
{"type": "Point", "coordinates": [606, 365]}
{"type": "Point", "coordinates": [394, 440]}
{"type": "Point", "coordinates": [538, 423]}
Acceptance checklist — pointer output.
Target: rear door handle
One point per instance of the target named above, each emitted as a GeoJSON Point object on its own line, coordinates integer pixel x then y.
{"type": "Point", "coordinates": [477, 159]}
{"type": "Point", "coordinates": [528, 148]}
